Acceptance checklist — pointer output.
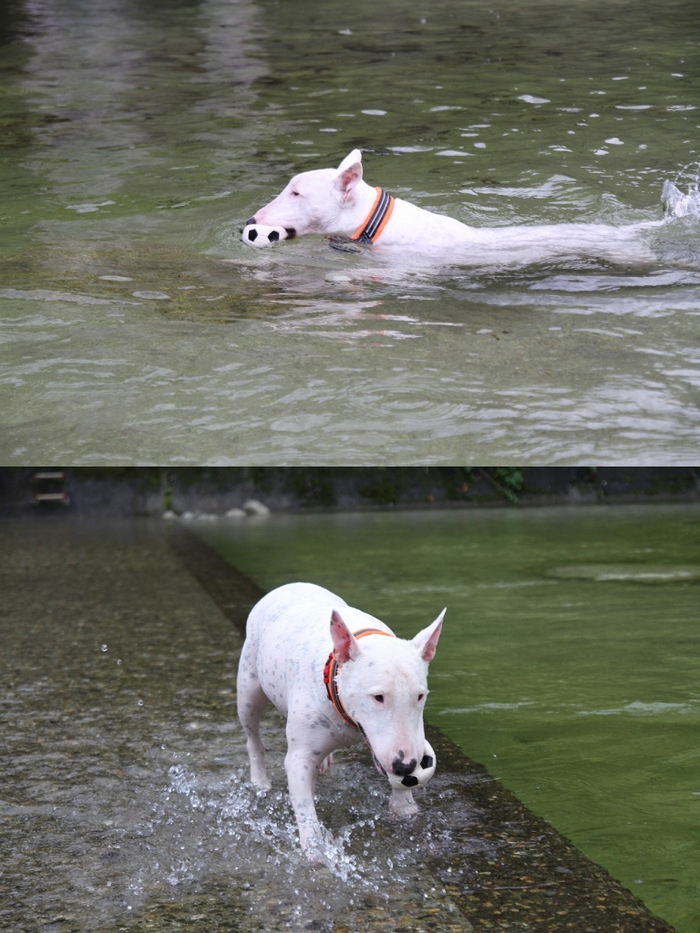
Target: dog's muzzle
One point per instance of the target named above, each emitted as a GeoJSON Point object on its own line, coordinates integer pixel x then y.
{"type": "Point", "coordinates": [420, 775]}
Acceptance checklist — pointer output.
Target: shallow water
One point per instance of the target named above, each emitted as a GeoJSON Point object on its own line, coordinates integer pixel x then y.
{"type": "Point", "coordinates": [568, 665]}
{"type": "Point", "coordinates": [136, 327]}
{"type": "Point", "coordinates": [125, 804]}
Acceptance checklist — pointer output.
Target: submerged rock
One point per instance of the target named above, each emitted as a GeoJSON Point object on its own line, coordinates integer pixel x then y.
{"type": "Point", "coordinates": [253, 507]}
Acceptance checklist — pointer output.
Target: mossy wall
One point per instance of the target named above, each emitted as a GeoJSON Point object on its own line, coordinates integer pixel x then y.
{"type": "Point", "coordinates": [152, 490]}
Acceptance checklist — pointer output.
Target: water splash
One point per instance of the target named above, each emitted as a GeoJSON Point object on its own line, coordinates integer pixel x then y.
{"type": "Point", "coordinates": [257, 830]}
{"type": "Point", "coordinates": [677, 204]}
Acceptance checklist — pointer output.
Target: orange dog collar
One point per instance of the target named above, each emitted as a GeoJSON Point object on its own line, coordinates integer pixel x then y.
{"type": "Point", "coordinates": [330, 673]}
{"type": "Point", "coordinates": [378, 218]}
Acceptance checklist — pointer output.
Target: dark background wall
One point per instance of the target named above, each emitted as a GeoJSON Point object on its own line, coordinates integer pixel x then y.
{"type": "Point", "coordinates": [152, 490]}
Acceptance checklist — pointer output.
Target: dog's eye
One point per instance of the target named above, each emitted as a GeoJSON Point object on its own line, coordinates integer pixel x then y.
{"type": "Point", "coordinates": [379, 698]}
{"type": "Point", "coordinates": [420, 697]}
{"type": "Point", "coordinates": [296, 194]}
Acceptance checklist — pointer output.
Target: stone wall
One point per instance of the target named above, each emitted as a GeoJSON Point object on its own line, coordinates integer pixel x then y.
{"type": "Point", "coordinates": [153, 490]}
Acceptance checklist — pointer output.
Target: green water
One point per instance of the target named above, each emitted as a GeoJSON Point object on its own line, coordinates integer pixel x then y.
{"type": "Point", "coordinates": [582, 694]}
{"type": "Point", "coordinates": [135, 327]}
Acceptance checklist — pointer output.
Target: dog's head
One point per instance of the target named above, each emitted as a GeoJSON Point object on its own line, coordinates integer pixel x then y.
{"type": "Point", "coordinates": [383, 685]}
{"type": "Point", "coordinates": [313, 202]}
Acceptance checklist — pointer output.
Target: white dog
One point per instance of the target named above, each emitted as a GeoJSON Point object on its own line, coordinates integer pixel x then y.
{"type": "Point", "coordinates": [340, 204]}
{"type": "Point", "coordinates": [337, 680]}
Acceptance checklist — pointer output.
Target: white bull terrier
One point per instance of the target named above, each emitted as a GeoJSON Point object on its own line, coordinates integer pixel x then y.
{"type": "Point", "coordinates": [337, 680]}
{"type": "Point", "coordinates": [340, 204]}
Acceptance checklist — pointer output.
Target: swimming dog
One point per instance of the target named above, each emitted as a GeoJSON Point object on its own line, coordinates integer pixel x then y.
{"type": "Point", "coordinates": [338, 203]}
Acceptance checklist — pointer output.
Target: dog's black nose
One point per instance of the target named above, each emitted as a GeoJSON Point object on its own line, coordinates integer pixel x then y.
{"type": "Point", "coordinates": [251, 221]}
{"type": "Point", "coordinates": [399, 767]}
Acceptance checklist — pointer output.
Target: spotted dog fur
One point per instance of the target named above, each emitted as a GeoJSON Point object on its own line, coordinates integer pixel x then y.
{"type": "Point", "coordinates": [382, 682]}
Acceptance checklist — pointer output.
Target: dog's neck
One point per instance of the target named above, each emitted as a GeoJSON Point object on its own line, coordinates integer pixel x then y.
{"type": "Point", "coordinates": [330, 675]}
{"type": "Point", "coordinates": [364, 216]}
{"type": "Point", "coordinates": [357, 209]}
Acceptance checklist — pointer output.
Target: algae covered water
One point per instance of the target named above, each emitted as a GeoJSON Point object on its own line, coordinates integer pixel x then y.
{"type": "Point", "coordinates": [135, 327]}
{"type": "Point", "coordinates": [569, 663]}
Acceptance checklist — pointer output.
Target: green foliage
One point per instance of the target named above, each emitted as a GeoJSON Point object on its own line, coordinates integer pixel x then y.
{"type": "Point", "coordinates": [509, 481]}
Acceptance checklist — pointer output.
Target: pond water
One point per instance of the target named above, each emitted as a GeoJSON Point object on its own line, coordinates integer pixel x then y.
{"type": "Point", "coordinates": [569, 663]}
{"type": "Point", "coordinates": [136, 327]}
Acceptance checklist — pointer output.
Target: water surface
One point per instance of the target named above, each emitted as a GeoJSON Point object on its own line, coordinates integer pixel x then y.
{"type": "Point", "coordinates": [569, 663]}
{"type": "Point", "coordinates": [135, 327]}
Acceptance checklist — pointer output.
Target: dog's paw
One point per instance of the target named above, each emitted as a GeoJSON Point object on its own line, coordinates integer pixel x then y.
{"type": "Point", "coordinates": [402, 805]}
{"type": "Point", "coordinates": [322, 850]}
{"type": "Point", "coordinates": [325, 764]}
{"type": "Point", "coordinates": [317, 857]}
{"type": "Point", "coordinates": [259, 235]}
{"type": "Point", "coordinates": [345, 244]}
{"type": "Point", "coordinates": [261, 783]}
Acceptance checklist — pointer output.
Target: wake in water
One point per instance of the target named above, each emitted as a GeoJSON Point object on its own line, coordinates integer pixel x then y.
{"type": "Point", "coordinates": [629, 244]}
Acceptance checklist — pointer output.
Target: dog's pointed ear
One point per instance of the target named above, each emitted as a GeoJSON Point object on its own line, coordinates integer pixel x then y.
{"type": "Point", "coordinates": [354, 157]}
{"type": "Point", "coordinates": [349, 173]}
{"type": "Point", "coordinates": [425, 642]}
{"type": "Point", "coordinates": [345, 647]}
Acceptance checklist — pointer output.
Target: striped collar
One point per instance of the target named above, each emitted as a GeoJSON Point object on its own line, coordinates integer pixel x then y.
{"type": "Point", "coordinates": [330, 673]}
{"type": "Point", "coordinates": [378, 217]}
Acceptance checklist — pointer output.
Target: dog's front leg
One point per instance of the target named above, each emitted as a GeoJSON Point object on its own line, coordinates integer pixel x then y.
{"type": "Point", "coordinates": [401, 802]}
{"type": "Point", "coordinates": [301, 766]}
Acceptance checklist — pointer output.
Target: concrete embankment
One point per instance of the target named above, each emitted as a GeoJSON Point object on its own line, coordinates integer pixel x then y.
{"type": "Point", "coordinates": [125, 803]}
